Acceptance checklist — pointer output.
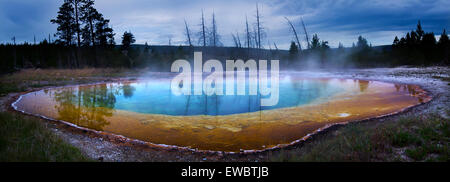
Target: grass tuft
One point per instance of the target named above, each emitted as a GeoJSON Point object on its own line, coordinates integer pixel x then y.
{"type": "Point", "coordinates": [405, 139]}
{"type": "Point", "coordinates": [28, 140]}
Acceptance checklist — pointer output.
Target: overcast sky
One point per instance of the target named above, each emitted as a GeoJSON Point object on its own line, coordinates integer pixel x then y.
{"type": "Point", "coordinates": [157, 21]}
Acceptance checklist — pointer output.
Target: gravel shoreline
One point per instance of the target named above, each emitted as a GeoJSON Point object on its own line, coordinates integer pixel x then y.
{"type": "Point", "coordinates": [97, 145]}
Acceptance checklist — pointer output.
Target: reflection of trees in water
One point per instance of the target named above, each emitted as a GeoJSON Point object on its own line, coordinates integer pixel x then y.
{"type": "Point", "coordinates": [298, 85]}
{"type": "Point", "coordinates": [128, 90]}
{"type": "Point", "coordinates": [322, 87]}
{"type": "Point", "coordinates": [307, 91]}
{"type": "Point", "coordinates": [363, 85]}
{"type": "Point", "coordinates": [86, 106]}
{"type": "Point", "coordinates": [411, 89]}
{"type": "Point", "coordinates": [407, 88]}
{"type": "Point", "coordinates": [397, 87]}
{"type": "Point", "coordinates": [311, 89]}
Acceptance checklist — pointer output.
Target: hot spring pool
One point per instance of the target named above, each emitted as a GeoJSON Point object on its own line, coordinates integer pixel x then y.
{"type": "Point", "coordinates": [148, 111]}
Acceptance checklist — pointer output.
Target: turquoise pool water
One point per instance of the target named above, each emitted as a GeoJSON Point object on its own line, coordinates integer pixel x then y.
{"type": "Point", "coordinates": [147, 110]}
{"type": "Point", "coordinates": [155, 97]}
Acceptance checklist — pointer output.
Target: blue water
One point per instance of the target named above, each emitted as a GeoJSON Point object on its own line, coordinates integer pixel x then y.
{"type": "Point", "coordinates": [155, 97]}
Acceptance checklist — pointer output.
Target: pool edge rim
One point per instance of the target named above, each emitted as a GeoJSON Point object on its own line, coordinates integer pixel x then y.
{"type": "Point", "coordinates": [120, 139]}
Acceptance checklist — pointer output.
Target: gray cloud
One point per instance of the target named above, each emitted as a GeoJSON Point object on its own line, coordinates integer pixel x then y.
{"type": "Point", "coordinates": [156, 21]}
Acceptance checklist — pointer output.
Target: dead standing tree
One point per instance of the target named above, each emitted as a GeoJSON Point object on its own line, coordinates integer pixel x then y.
{"type": "Point", "coordinates": [76, 7]}
{"type": "Point", "coordinates": [295, 33]}
{"type": "Point", "coordinates": [203, 31]}
{"type": "Point", "coordinates": [238, 39]}
{"type": "Point", "coordinates": [214, 36]}
{"type": "Point", "coordinates": [258, 26]}
{"type": "Point", "coordinates": [259, 32]}
{"type": "Point", "coordinates": [306, 33]}
{"type": "Point", "coordinates": [237, 42]}
{"type": "Point", "coordinates": [248, 34]}
{"type": "Point", "coordinates": [188, 34]}
{"type": "Point", "coordinates": [255, 36]}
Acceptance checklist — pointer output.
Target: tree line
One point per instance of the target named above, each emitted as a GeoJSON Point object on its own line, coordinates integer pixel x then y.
{"type": "Point", "coordinates": [416, 48]}
{"type": "Point", "coordinates": [84, 38]}
{"type": "Point", "coordinates": [421, 48]}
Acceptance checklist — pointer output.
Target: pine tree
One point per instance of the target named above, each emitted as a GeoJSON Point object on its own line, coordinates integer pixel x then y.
{"type": "Point", "coordinates": [362, 43]}
{"type": "Point", "coordinates": [103, 33]}
{"type": "Point", "coordinates": [428, 40]}
{"type": "Point", "coordinates": [146, 48]}
{"type": "Point", "coordinates": [315, 42]}
{"type": "Point", "coordinates": [293, 49]}
{"type": "Point", "coordinates": [415, 38]}
{"type": "Point", "coordinates": [324, 45]}
{"type": "Point", "coordinates": [408, 39]}
{"type": "Point", "coordinates": [96, 30]}
{"type": "Point", "coordinates": [419, 31]}
{"type": "Point", "coordinates": [341, 46]}
{"type": "Point", "coordinates": [444, 40]}
{"type": "Point", "coordinates": [396, 41]}
{"type": "Point", "coordinates": [444, 46]}
{"type": "Point", "coordinates": [76, 4]}
{"type": "Point", "coordinates": [127, 40]}
{"type": "Point", "coordinates": [89, 16]}
{"type": "Point", "coordinates": [66, 24]}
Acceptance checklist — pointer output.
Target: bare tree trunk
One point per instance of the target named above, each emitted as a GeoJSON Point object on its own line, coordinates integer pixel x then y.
{"type": "Point", "coordinates": [214, 29]}
{"type": "Point", "coordinates": [247, 31]}
{"type": "Point", "coordinates": [75, 3]}
{"type": "Point", "coordinates": [295, 33]}
{"type": "Point", "coordinates": [306, 33]}
{"type": "Point", "coordinates": [236, 44]}
{"type": "Point", "coordinates": [203, 30]}
{"type": "Point", "coordinates": [255, 36]}
{"type": "Point", "coordinates": [15, 54]}
{"type": "Point", "coordinates": [258, 26]}
{"type": "Point", "coordinates": [238, 39]}
{"type": "Point", "coordinates": [188, 33]}
{"type": "Point", "coordinates": [91, 27]}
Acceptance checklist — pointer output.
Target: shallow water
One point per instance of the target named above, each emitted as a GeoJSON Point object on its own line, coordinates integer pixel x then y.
{"type": "Point", "coordinates": [148, 111]}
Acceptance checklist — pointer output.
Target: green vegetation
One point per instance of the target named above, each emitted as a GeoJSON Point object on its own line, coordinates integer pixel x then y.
{"type": "Point", "coordinates": [6, 88]}
{"type": "Point", "coordinates": [29, 140]}
{"type": "Point", "coordinates": [405, 139]}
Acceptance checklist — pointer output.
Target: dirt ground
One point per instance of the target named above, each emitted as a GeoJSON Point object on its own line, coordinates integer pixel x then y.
{"type": "Point", "coordinates": [104, 147]}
